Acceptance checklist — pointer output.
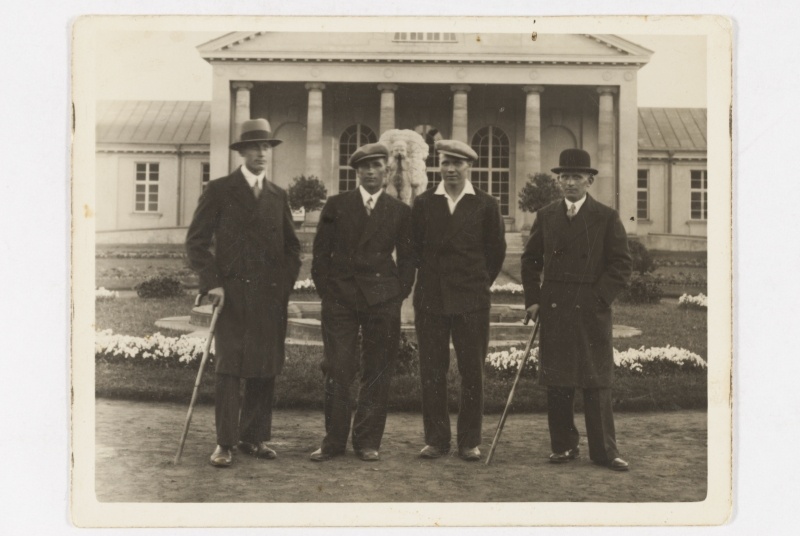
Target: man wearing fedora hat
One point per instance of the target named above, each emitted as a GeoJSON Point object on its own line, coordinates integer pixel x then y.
{"type": "Point", "coordinates": [362, 289]}
{"type": "Point", "coordinates": [459, 248]}
{"type": "Point", "coordinates": [580, 248]}
{"type": "Point", "coordinates": [249, 275]}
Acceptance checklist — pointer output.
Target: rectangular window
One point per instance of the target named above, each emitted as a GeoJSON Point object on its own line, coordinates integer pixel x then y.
{"type": "Point", "coordinates": [146, 187]}
{"type": "Point", "coordinates": [425, 37]}
{"type": "Point", "coordinates": [643, 194]}
{"type": "Point", "coordinates": [699, 193]}
{"type": "Point", "coordinates": [206, 177]}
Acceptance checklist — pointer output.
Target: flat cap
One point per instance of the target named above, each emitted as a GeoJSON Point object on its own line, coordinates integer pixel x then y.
{"type": "Point", "coordinates": [367, 152]}
{"type": "Point", "coordinates": [456, 148]}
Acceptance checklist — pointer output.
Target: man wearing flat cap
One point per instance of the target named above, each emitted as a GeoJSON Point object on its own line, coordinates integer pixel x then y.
{"type": "Point", "coordinates": [580, 248]}
{"type": "Point", "coordinates": [459, 248]}
{"type": "Point", "coordinates": [249, 275]}
{"type": "Point", "coordinates": [362, 288]}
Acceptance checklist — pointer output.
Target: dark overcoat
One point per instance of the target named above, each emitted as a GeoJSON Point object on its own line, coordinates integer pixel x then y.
{"type": "Point", "coordinates": [256, 260]}
{"type": "Point", "coordinates": [458, 255]}
{"type": "Point", "coordinates": [585, 264]}
{"type": "Point", "coordinates": [353, 251]}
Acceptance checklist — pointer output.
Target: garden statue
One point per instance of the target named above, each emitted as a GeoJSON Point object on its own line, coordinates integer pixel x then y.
{"type": "Point", "coordinates": [406, 179]}
{"type": "Point", "coordinates": [407, 175]}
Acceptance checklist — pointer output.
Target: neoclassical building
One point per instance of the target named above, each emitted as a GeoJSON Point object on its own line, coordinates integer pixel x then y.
{"type": "Point", "coordinates": [517, 100]}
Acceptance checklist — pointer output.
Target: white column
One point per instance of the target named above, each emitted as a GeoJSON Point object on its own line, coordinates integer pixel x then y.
{"type": "Point", "coordinates": [628, 154]}
{"type": "Point", "coordinates": [604, 188]}
{"type": "Point", "coordinates": [533, 142]}
{"type": "Point", "coordinates": [241, 113]}
{"type": "Point", "coordinates": [460, 117]}
{"type": "Point", "coordinates": [387, 107]}
{"type": "Point", "coordinates": [314, 130]}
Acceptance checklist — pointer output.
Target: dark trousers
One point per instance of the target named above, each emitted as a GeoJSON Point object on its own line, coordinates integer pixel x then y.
{"type": "Point", "coordinates": [380, 338]}
{"type": "Point", "coordinates": [470, 334]}
{"type": "Point", "coordinates": [247, 418]}
{"type": "Point", "coordinates": [599, 422]}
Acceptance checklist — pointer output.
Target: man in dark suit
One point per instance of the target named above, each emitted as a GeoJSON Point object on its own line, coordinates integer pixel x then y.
{"type": "Point", "coordinates": [459, 248]}
{"type": "Point", "coordinates": [361, 288]}
{"type": "Point", "coordinates": [581, 248]}
{"type": "Point", "coordinates": [249, 276]}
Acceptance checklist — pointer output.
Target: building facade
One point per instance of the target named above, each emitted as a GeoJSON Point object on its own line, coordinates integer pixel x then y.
{"type": "Point", "coordinates": [517, 100]}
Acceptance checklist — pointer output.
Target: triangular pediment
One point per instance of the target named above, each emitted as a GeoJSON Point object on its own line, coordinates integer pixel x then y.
{"type": "Point", "coordinates": [461, 47]}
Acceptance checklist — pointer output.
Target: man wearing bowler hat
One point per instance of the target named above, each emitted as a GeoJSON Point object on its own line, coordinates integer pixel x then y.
{"type": "Point", "coordinates": [249, 275]}
{"type": "Point", "coordinates": [362, 288]}
{"type": "Point", "coordinates": [459, 248]}
{"type": "Point", "coordinates": [580, 248]}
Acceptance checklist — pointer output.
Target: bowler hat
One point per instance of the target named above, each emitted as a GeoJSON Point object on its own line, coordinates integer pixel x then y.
{"type": "Point", "coordinates": [255, 131]}
{"type": "Point", "coordinates": [455, 148]}
{"type": "Point", "coordinates": [574, 160]}
{"type": "Point", "coordinates": [367, 152]}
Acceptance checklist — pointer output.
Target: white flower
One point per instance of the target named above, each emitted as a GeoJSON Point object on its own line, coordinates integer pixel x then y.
{"type": "Point", "coordinates": [305, 284]}
{"type": "Point", "coordinates": [103, 294]}
{"type": "Point", "coordinates": [693, 302]}
{"type": "Point", "coordinates": [508, 288]}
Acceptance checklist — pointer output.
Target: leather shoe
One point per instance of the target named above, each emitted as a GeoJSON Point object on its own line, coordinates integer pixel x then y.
{"type": "Point", "coordinates": [618, 464]}
{"type": "Point", "coordinates": [369, 455]}
{"type": "Point", "coordinates": [470, 455]}
{"type": "Point", "coordinates": [564, 457]}
{"type": "Point", "coordinates": [320, 455]}
{"type": "Point", "coordinates": [430, 452]}
{"type": "Point", "coordinates": [259, 450]}
{"type": "Point", "coordinates": [222, 457]}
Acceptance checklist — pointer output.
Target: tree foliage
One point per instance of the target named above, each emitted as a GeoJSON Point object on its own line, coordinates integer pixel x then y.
{"type": "Point", "coordinates": [307, 192]}
{"type": "Point", "coordinates": [540, 190]}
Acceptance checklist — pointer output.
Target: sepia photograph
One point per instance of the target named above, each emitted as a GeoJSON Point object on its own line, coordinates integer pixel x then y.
{"type": "Point", "coordinates": [466, 271]}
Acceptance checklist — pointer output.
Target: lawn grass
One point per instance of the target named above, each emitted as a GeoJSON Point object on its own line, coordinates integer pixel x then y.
{"type": "Point", "coordinates": [137, 316]}
{"type": "Point", "coordinates": [300, 386]}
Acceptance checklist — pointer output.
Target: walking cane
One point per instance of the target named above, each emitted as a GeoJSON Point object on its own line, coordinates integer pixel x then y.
{"type": "Point", "coordinates": [214, 314]}
{"type": "Point", "coordinates": [513, 387]}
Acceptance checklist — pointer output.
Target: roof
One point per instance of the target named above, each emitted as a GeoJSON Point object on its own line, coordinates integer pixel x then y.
{"type": "Point", "coordinates": [668, 129]}
{"type": "Point", "coordinates": [385, 47]}
{"type": "Point", "coordinates": [152, 122]}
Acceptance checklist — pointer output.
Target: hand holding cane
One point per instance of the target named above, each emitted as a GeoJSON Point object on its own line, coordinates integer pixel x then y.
{"type": "Point", "coordinates": [513, 387]}
{"type": "Point", "coordinates": [214, 315]}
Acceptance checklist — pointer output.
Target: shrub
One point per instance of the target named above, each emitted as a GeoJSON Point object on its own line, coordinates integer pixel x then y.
{"type": "Point", "coordinates": [641, 288]}
{"type": "Point", "coordinates": [540, 190]}
{"type": "Point", "coordinates": [686, 279]}
{"type": "Point", "coordinates": [159, 287]}
{"type": "Point", "coordinates": [642, 260]}
{"type": "Point", "coordinates": [307, 192]}
{"type": "Point", "coordinates": [407, 356]}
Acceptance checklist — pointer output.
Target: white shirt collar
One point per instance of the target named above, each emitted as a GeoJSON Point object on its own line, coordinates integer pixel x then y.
{"type": "Point", "coordinates": [468, 190]}
{"type": "Point", "coordinates": [578, 204]}
{"type": "Point", "coordinates": [365, 195]}
{"type": "Point", "coordinates": [251, 178]}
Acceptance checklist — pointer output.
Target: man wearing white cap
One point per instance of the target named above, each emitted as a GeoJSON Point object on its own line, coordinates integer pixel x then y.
{"type": "Point", "coordinates": [249, 276]}
{"type": "Point", "coordinates": [459, 248]}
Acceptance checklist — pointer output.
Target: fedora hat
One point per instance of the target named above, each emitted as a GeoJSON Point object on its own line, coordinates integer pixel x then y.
{"type": "Point", "coordinates": [574, 160]}
{"type": "Point", "coordinates": [255, 131]}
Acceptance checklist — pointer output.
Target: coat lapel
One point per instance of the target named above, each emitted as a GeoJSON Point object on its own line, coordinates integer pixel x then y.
{"type": "Point", "coordinates": [371, 223]}
{"type": "Point", "coordinates": [465, 211]}
{"type": "Point", "coordinates": [566, 230]}
{"type": "Point", "coordinates": [354, 207]}
{"type": "Point", "coordinates": [241, 192]}
{"type": "Point", "coordinates": [439, 218]}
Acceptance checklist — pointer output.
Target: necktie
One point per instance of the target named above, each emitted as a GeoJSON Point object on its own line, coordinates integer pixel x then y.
{"type": "Point", "coordinates": [257, 189]}
{"type": "Point", "coordinates": [571, 212]}
{"type": "Point", "coordinates": [370, 204]}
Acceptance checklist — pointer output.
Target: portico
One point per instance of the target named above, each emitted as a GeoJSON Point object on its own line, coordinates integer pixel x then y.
{"type": "Point", "coordinates": [517, 103]}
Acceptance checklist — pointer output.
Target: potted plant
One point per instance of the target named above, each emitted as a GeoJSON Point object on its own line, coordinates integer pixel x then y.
{"type": "Point", "coordinates": [540, 190]}
{"type": "Point", "coordinates": [307, 194]}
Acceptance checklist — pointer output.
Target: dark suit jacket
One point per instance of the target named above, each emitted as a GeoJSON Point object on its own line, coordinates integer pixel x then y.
{"type": "Point", "coordinates": [353, 252]}
{"type": "Point", "coordinates": [256, 260]}
{"type": "Point", "coordinates": [585, 264]}
{"type": "Point", "coordinates": [458, 256]}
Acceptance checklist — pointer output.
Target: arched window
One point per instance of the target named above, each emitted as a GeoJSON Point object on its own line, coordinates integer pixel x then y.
{"type": "Point", "coordinates": [431, 135]}
{"type": "Point", "coordinates": [351, 139]}
{"type": "Point", "coordinates": [492, 170]}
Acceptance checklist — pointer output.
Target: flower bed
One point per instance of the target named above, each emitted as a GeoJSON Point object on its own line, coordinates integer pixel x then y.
{"type": "Point", "coordinates": [183, 351]}
{"type": "Point", "coordinates": [641, 361]}
{"type": "Point", "coordinates": [103, 294]}
{"type": "Point", "coordinates": [693, 302]}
